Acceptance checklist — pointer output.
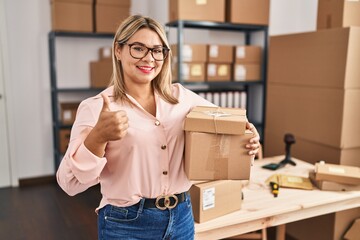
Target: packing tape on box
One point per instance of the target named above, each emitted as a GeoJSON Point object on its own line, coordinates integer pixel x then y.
{"type": "Point", "coordinates": [216, 115]}
{"type": "Point", "coordinates": [219, 155]}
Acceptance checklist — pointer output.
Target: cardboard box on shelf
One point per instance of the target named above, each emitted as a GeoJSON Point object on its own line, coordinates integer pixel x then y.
{"type": "Point", "coordinates": [338, 13]}
{"type": "Point", "coordinates": [190, 52]}
{"type": "Point", "coordinates": [332, 186]}
{"type": "Point", "coordinates": [327, 116]}
{"type": "Point", "coordinates": [109, 14]}
{"type": "Point", "coordinates": [68, 112]}
{"type": "Point", "coordinates": [195, 10]}
{"type": "Point", "coordinates": [218, 72]}
{"type": "Point", "coordinates": [105, 53]}
{"type": "Point", "coordinates": [73, 16]}
{"type": "Point", "coordinates": [100, 73]}
{"type": "Point", "coordinates": [248, 54]}
{"type": "Point", "coordinates": [191, 72]}
{"type": "Point", "coordinates": [64, 138]}
{"type": "Point", "coordinates": [337, 173]}
{"type": "Point", "coordinates": [220, 53]}
{"type": "Point", "coordinates": [247, 72]}
{"type": "Point", "coordinates": [327, 58]}
{"type": "Point", "coordinates": [211, 199]}
{"type": "Point", "coordinates": [216, 120]}
{"type": "Point", "coordinates": [211, 156]}
{"type": "Point", "coordinates": [248, 11]}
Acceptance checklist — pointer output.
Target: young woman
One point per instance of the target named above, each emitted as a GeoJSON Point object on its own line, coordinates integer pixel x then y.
{"type": "Point", "coordinates": [130, 139]}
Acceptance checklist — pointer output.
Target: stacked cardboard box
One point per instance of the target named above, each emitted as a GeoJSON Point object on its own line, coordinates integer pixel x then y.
{"type": "Point", "coordinates": [219, 61]}
{"type": "Point", "coordinates": [193, 62]}
{"type": "Point", "coordinates": [72, 15]}
{"type": "Point", "coordinates": [109, 14]}
{"type": "Point", "coordinates": [68, 112]}
{"type": "Point", "coordinates": [247, 62]}
{"type": "Point", "coordinates": [101, 70]}
{"type": "Point", "coordinates": [314, 93]}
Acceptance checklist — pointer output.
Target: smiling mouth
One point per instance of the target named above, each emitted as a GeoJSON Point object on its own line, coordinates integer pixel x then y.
{"type": "Point", "coordinates": [145, 69]}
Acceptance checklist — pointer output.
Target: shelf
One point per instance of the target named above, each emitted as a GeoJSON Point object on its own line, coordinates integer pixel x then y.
{"type": "Point", "coordinates": [216, 25]}
{"type": "Point", "coordinates": [80, 34]}
{"type": "Point", "coordinates": [226, 86]}
{"type": "Point", "coordinates": [74, 90]}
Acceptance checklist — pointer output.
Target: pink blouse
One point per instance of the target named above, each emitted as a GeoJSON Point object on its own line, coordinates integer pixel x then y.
{"type": "Point", "coordinates": [147, 162]}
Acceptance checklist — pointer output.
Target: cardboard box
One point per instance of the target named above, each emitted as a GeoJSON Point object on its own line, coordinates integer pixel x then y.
{"type": "Point", "coordinates": [217, 156]}
{"type": "Point", "coordinates": [328, 116]}
{"type": "Point", "coordinates": [308, 150]}
{"type": "Point", "coordinates": [328, 58]}
{"type": "Point", "coordinates": [190, 52]}
{"type": "Point", "coordinates": [211, 199]}
{"type": "Point", "coordinates": [248, 54]}
{"type": "Point", "coordinates": [191, 72]}
{"type": "Point", "coordinates": [64, 135]}
{"type": "Point", "coordinates": [197, 10]}
{"type": "Point", "coordinates": [247, 72]}
{"type": "Point", "coordinates": [248, 11]}
{"type": "Point", "coordinates": [100, 73]}
{"type": "Point", "coordinates": [332, 186]}
{"type": "Point", "coordinates": [220, 53]}
{"type": "Point", "coordinates": [68, 112]}
{"type": "Point", "coordinates": [73, 16]}
{"type": "Point", "coordinates": [105, 53]}
{"type": "Point", "coordinates": [109, 16]}
{"type": "Point", "coordinates": [338, 13]}
{"type": "Point", "coordinates": [216, 120]}
{"type": "Point", "coordinates": [218, 72]}
{"type": "Point", "coordinates": [337, 173]}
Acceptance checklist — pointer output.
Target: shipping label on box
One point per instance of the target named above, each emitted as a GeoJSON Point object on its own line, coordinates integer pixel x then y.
{"type": "Point", "coordinates": [337, 173]}
{"type": "Point", "coordinates": [68, 112]}
{"type": "Point", "coordinates": [217, 156]}
{"type": "Point", "coordinates": [211, 199]}
{"type": "Point", "coordinates": [216, 120]}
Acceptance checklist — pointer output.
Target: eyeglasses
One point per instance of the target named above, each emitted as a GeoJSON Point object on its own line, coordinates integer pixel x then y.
{"type": "Point", "coordinates": [139, 51]}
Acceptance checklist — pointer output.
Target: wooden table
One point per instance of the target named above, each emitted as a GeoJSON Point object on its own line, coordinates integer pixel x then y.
{"type": "Point", "coordinates": [260, 209]}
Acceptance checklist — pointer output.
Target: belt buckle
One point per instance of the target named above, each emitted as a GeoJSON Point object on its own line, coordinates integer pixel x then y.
{"type": "Point", "coordinates": [167, 202]}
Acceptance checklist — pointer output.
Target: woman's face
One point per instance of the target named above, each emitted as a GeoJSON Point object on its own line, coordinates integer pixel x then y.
{"type": "Point", "coordinates": [139, 70]}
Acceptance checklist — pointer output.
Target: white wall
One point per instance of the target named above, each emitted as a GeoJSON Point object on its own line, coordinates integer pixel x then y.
{"type": "Point", "coordinates": [28, 83]}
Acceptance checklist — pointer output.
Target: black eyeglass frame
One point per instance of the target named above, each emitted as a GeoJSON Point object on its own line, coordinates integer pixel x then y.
{"type": "Point", "coordinates": [165, 50]}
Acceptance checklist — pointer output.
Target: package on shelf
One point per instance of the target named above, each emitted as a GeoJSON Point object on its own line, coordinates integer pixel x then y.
{"type": "Point", "coordinates": [105, 53]}
{"type": "Point", "coordinates": [190, 52]}
{"type": "Point", "coordinates": [248, 11]}
{"type": "Point", "coordinates": [100, 73]}
{"type": "Point", "coordinates": [218, 72]}
{"type": "Point", "coordinates": [247, 72]}
{"type": "Point", "coordinates": [216, 120]}
{"type": "Point", "coordinates": [338, 13]}
{"type": "Point", "coordinates": [74, 16]}
{"type": "Point", "coordinates": [109, 14]}
{"type": "Point", "coordinates": [191, 71]}
{"type": "Point", "coordinates": [332, 186]}
{"type": "Point", "coordinates": [247, 54]}
{"type": "Point", "coordinates": [220, 53]}
{"type": "Point", "coordinates": [211, 199]}
{"type": "Point", "coordinates": [210, 156]}
{"type": "Point", "coordinates": [68, 112]}
{"type": "Point", "coordinates": [197, 10]}
{"type": "Point", "coordinates": [64, 138]}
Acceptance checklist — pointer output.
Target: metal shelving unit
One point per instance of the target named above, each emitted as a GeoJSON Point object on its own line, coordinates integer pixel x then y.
{"type": "Point", "coordinates": [252, 88]}
{"type": "Point", "coordinates": [56, 124]}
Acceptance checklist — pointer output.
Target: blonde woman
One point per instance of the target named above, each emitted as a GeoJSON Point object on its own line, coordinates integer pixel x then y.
{"type": "Point", "coordinates": [130, 139]}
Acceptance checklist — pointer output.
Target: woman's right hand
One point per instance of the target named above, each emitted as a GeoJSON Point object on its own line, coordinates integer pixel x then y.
{"type": "Point", "coordinates": [111, 126]}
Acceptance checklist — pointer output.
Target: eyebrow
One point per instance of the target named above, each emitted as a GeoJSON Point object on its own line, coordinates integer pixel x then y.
{"type": "Point", "coordinates": [142, 44]}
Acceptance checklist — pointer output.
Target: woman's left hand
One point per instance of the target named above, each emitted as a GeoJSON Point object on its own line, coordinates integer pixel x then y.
{"type": "Point", "coordinates": [254, 143]}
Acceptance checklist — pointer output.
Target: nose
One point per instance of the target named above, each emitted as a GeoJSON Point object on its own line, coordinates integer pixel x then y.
{"type": "Point", "coordinates": [148, 56]}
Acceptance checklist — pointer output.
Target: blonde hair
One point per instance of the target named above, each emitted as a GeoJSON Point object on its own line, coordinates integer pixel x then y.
{"type": "Point", "coordinates": [162, 82]}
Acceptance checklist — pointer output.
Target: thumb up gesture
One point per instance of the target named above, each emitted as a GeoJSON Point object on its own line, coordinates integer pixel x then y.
{"type": "Point", "coordinates": [111, 126]}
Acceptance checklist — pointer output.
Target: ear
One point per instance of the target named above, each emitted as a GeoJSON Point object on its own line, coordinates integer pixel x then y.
{"type": "Point", "coordinates": [118, 50]}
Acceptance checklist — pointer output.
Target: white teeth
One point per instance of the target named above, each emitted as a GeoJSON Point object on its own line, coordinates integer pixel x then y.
{"type": "Point", "coordinates": [146, 68]}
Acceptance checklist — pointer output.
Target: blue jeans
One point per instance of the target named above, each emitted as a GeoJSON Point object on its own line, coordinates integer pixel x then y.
{"type": "Point", "coordinates": [137, 222]}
